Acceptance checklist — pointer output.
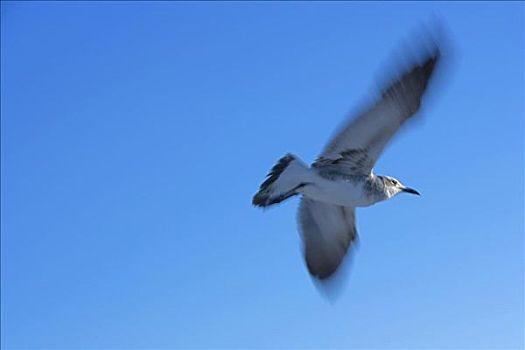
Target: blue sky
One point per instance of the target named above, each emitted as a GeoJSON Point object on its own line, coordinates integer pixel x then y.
{"type": "Point", "coordinates": [135, 134]}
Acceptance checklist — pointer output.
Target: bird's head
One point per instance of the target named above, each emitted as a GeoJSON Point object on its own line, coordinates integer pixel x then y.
{"type": "Point", "coordinates": [394, 186]}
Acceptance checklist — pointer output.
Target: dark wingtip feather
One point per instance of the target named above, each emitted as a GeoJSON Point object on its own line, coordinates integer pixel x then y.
{"type": "Point", "coordinates": [326, 268]}
{"type": "Point", "coordinates": [408, 89]}
{"type": "Point", "coordinates": [262, 198]}
{"type": "Point", "coordinates": [429, 65]}
{"type": "Point", "coordinates": [276, 171]}
{"type": "Point", "coordinates": [321, 273]}
{"type": "Point", "coordinates": [259, 200]}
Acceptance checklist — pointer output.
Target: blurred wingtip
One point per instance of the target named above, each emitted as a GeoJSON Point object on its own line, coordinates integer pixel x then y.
{"type": "Point", "coordinates": [426, 48]}
{"type": "Point", "coordinates": [331, 287]}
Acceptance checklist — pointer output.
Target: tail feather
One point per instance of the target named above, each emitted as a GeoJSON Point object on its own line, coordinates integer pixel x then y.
{"type": "Point", "coordinates": [284, 180]}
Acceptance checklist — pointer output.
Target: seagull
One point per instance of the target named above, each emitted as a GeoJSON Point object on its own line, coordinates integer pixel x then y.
{"type": "Point", "coordinates": [342, 177]}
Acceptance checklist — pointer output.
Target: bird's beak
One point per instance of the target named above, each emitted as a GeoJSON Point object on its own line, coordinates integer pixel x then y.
{"type": "Point", "coordinates": [410, 190]}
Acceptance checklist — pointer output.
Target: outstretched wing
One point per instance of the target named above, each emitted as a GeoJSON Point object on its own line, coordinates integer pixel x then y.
{"type": "Point", "coordinates": [358, 145]}
{"type": "Point", "coordinates": [327, 231]}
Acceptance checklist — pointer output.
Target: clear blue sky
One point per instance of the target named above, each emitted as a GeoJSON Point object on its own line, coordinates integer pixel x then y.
{"type": "Point", "coordinates": [135, 134]}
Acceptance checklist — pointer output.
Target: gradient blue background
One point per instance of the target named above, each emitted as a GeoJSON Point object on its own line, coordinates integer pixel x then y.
{"type": "Point", "coordinates": [135, 134]}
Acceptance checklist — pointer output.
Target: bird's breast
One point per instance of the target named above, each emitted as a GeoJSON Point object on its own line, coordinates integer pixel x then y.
{"type": "Point", "coordinates": [340, 192]}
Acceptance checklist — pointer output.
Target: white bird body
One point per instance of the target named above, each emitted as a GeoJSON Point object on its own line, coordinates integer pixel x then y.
{"type": "Point", "coordinates": [340, 192]}
{"type": "Point", "coordinates": [336, 190]}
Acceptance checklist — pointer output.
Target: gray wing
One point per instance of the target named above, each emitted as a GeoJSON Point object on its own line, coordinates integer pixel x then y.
{"type": "Point", "coordinates": [358, 145]}
{"type": "Point", "coordinates": [327, 231]}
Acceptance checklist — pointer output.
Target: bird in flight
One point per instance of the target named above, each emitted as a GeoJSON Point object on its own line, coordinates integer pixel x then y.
{"type": "Point", "coordinates": [342, 177]}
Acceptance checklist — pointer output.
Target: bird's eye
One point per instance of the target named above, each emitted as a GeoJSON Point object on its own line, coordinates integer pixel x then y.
{"type": "Point", "coordinates": [394, 182]}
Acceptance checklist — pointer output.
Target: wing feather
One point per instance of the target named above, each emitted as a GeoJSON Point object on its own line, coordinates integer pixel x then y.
{"type": "Point", "coordinates": [373, 129]}
{"type": "Point", "coordinates": [327, 231]}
